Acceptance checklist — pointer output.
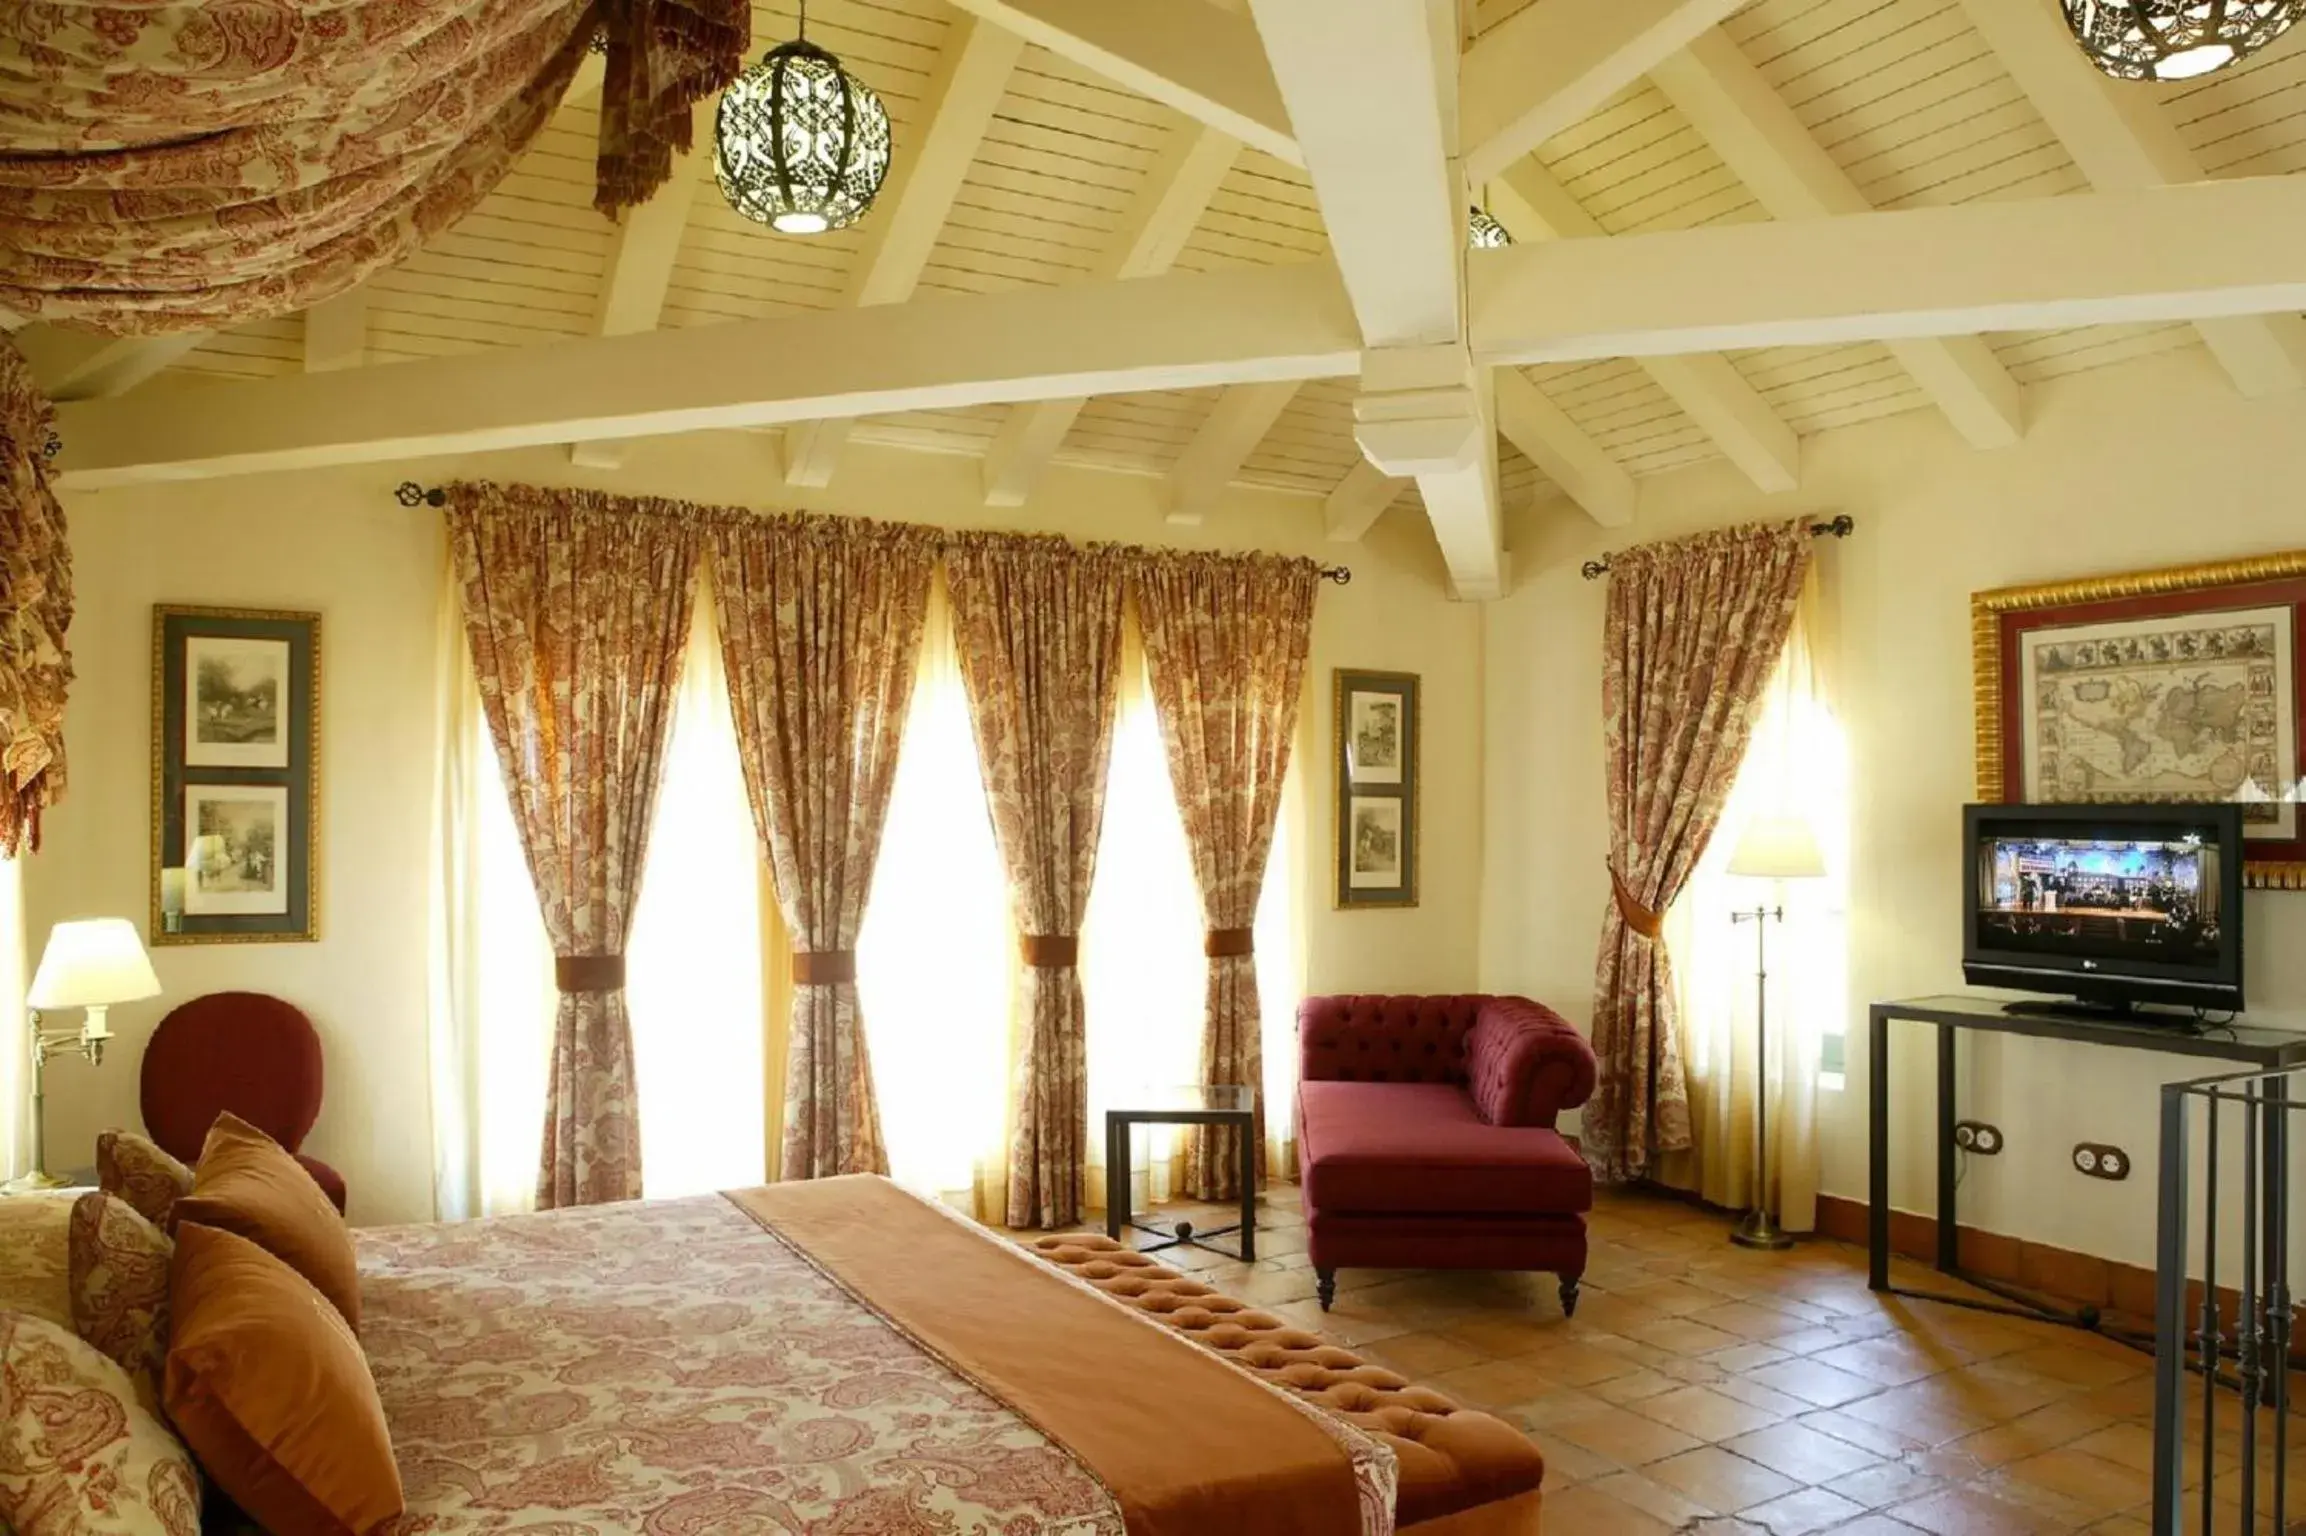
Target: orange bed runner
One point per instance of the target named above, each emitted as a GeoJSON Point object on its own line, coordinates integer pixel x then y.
{"type": "Point", "coordinates": [1189, 1445]}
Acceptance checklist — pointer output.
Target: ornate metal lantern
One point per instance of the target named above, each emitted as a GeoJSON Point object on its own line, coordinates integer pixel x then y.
{"type": "Point", "coordinates": [1483, 233]}
{"type": "Point", "coordinates": [800, 144]}
{"type": "Point", "coordinates": [2175, 39]}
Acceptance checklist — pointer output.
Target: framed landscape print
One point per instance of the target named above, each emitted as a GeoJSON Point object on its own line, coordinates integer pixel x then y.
{"type": "Point", "coordinates": [235, 777]}
{"type": "Point", "coordinates": [2177, 686]}
{"type": "Point", "coordinates": [1376, 717]}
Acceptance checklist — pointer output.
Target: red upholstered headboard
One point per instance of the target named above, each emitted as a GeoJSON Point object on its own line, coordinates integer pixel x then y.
{"type": "Point", "coordinates": [245, 1052]}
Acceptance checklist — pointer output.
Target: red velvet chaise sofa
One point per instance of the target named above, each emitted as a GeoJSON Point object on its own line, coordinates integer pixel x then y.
{"type": "Point", "coordinates": [1425, 1135]}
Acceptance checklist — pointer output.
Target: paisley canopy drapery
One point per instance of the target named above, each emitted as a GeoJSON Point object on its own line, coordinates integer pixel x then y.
{"type": "Point", "coordinates": [1038, 630]}
{"type": "Point", "coordinates": [175, 165]}
{"type": "Point", "coordinates": [1226, 640]}
{"type": "Point", "coordinates": [577, 607]}
{"type": "Point", "coordinates": [35, 611]}
{"type": "Point", "coordinates": [821, 625]}
{"type": "Point", "coordinates": [1694, 628]}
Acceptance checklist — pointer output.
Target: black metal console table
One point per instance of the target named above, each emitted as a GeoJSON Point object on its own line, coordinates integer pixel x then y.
{"type": "Point", "coordinates": [2266, 1049]}
{"type": "Point", "coordinates": [1224, 1105]}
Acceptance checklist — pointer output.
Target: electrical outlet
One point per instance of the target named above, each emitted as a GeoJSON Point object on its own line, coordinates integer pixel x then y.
{"type": "Point", "coordinates": [2100, 1161]}
{"type": "Point", "coordinates": [1977, 1136]}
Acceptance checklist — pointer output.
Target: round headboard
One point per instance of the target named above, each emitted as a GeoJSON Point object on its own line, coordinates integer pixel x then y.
{"type": "Point", "coordinates": [245, 1052]}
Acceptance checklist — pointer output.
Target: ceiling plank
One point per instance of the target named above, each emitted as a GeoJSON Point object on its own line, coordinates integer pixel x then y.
{"type": "Point", "coordinates": [1553, 65]}
{"type": "Point", "coordinates": [2122, 140]}
{"type": "Point", "coordinates": [1570, 459]}
{"type": "Point", "coordinates": [1179, 331]}
{"type": "Point", "coordinates": [1203, 60]}
{"type": "Point", "coordinates": [1374, 100]}
{"type": "Point", "coordinates": [1533, 205]}
{"type": "Point", "coordinates": [1753, 129]}
{"type": "Point", "coordinates": [971, 76]}
{"type": "Point", "coordinates": [1161, 218]}
{"type": "Point", "coordinates": [1231, 431]}
{"type": "Point", "coordinates": [1356, 502]}
{"type": "Point", "coordinates": [2209, 249]}
{"type": "Point", "coordinates": [336, 332]}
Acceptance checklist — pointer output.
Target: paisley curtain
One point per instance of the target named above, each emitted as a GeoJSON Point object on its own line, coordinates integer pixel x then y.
{"type": "Point", "coordinates": [35, 612]}
{"type": "Point", "coordinates": [821, 624]}
{"type": "Point", "coordinates": [577, 607]}
{"type": "Point", "coordinates": [1226, 638]}
{"type": "Point", "coordinates": [174, 165]}
{"type": "Point", "coordinates": [1038, 628]}
{"type": "Point", "coordinates": [1694, 631]}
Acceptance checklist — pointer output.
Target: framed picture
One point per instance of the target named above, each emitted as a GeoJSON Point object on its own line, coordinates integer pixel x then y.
{"type": "Point", "coordinates": [2178, 686]}
{"type": "Point", "coordinates": [1377, 784]}
{"type": "Point", "coordinates": [235, 776]}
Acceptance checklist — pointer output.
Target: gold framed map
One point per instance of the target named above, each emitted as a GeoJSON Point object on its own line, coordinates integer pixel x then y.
{"type": "Point", "coordinates": [2178, 686]}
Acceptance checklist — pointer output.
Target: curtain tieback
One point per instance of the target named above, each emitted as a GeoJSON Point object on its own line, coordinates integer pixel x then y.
{"type": "Point", "coordinates": [824, 967]}
{"type": "Point", "coordinates": [589, 973]}
{"type": "Point", "coordinates": [1639, 918]}
{"type": "Point", "coordinates": [1049, 951]}
{"type": "Point", "coordinates": [1224, 942]}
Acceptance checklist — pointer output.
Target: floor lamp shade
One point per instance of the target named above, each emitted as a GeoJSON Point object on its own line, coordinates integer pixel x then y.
{"type": "Point", "coordinates": [1778, 848]}
{"type": "Point", "coordinates": [92, 963]}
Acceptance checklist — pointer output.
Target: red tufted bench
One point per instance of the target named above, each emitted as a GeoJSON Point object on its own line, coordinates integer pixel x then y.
{"type": "Point", "coordinates": [1425, 1132]}
{"type": "Point", "coordinates": [1463, 1473]}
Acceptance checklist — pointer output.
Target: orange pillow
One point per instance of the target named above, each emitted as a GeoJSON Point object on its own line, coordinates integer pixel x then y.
{"type": "Point", "coordinates": [247, 1185]}
{"type": "Point", "coordinates": [268, 1386]}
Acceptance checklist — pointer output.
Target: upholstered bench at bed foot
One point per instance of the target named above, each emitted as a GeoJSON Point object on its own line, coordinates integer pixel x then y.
{"type": "Point", "coordinates": [1463, 1473]}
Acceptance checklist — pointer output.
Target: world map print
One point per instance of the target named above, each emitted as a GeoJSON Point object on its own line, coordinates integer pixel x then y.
{"type": "Point", "coordinates": [2192, 708]}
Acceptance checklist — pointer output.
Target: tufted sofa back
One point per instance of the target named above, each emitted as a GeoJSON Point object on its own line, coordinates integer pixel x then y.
{"type": "Point", "coordinates": [1521, 1062]}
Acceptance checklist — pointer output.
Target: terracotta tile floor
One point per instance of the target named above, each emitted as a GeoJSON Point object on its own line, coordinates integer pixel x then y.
{"type": "Point", "coordinates": [1706, 1389]}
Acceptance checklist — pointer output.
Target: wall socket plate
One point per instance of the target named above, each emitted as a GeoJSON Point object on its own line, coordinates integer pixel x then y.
{"type": "Point", "coordinates": [2100, 1161]}
{"type": "Point", "coordinates": [1977, 1136]}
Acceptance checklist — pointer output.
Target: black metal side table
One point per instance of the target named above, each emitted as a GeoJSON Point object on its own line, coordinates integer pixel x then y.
{"type": "Point", "coordinates": [1225, 1105]}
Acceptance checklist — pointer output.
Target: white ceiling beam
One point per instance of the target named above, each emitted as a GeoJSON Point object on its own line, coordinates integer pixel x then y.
{"type": "Point", "coordinates": [81, 365]}
{"type": "Point", "coordinates": [1556, 445]}
{"type": "Point", "coordinates": [1533, 205]}
{"type": "Point", "coordinates": [971, 76]}
{"type": "Point", "coordinates": [1161, 217]}
{"type": "Point", "coordinates": [1356, 502]}
{"type": "Point", "coordinates": [1753, 129]}
{"type": "Point", "coordinates": [1556, 64]}
{"type": "Point", "coordinates": [1373, 94]}
{"type": "Point", "coordinates": [1231, 431]}
{"type": "Point", "coordinates": [2205, 250]}
{"type": "Point", "coordinates": [336, 332]}
{"type": "Point", "coordinates": [1180, 331]}
{"type": "Point", "coordinates": [1204, 60]}
{"type": "Point", "coordinates": [2122, 140]}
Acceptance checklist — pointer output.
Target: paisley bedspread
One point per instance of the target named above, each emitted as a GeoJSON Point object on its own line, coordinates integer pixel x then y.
{"type": "Point", "coordinates": [669, 1368]}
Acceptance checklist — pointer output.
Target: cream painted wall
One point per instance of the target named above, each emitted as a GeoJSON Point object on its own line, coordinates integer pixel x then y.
{"type": "Point", "coordinates": [335, 541]}
{"type": "Point", "coordinates": [2152, 464]}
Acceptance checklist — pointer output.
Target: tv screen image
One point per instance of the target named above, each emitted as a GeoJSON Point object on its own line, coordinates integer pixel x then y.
{"type": "Point", "coordinates": [2101, 899]}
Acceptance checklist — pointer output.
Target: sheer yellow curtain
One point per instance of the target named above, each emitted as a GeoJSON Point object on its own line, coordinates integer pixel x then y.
{"type": "Point", "coordinates": [1796, 765]}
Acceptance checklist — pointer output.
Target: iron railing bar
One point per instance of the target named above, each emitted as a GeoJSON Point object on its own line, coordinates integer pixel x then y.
{"type": "Point", "coordinates": [2247, 1333]}
{"type": "Point", "coordinates": [2170, 1318]}
{"type": "Point", "coordinates": [2210, 1342]}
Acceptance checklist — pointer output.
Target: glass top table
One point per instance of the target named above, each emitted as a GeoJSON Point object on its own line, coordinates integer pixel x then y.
{"type": "Point", "coordinates": [1228, 1105]}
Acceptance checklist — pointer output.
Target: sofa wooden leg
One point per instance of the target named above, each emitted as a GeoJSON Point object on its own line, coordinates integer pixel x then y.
{"type": "Point", "coordinates": [1325, 1285]}
{"type": "Point", "coordinates": [1569, 1295]}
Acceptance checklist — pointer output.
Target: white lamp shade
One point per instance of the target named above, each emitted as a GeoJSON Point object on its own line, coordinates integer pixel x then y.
{"type": "Point", "coordinates": [1778, 848]}
{"type": "Point", "coordinates": [92, 963]}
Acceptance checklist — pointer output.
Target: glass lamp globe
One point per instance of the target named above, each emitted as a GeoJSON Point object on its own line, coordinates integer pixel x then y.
{"type": "Point", "coordinates": [2175, 39]}
{"type": "Point", "coordinates": [800, 144]}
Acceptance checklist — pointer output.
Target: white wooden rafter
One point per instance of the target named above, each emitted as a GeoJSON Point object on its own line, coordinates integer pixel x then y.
{"type": "Point", "coordinates": [1231, 431]}
{"type": "Point", "coordinates": [1356, 502]}
{"type": "Point", "coordinates": [81, 365]}
{"type": "Point", "coordinates": [336, 332]}
{"type": "Point", "coordinates": [1751, 127]}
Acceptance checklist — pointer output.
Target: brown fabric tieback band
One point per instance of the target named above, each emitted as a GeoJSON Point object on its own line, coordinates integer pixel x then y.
{"type": "Point", "coordinates": [1224, 942]}
{"type": "Point", "coordinates": [824, 967]}
{"type": "Point", "coordinates": [1049, 951]}
{"type": "Point", "coordinates": [589, 973]}
{"type": "Point", "coordinates": [1637, 917]}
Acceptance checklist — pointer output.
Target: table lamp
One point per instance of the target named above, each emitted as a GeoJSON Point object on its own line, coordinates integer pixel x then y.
{"type": "Point", "coordinates": [90, 964]}
{"type": "Point", "coordinates": [1770, 848]}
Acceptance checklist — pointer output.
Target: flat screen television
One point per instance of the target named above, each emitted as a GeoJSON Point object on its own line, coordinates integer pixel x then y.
{"type": "Point", "coordinates": [2112, 905]}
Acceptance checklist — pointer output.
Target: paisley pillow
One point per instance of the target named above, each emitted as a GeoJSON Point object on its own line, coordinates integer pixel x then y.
{"type": "Point", "coordinates": [139, 1172]}
{"type": "Point", "coordinates": [79, 1456]}
{"type": "Point", "coordinates": [119, 1282]}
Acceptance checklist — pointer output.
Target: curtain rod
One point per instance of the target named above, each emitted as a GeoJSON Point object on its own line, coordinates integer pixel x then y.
{"type": "Point", "coordinates": [409, 494]}
{"type": "Point", "coordinates": [1840, 528]}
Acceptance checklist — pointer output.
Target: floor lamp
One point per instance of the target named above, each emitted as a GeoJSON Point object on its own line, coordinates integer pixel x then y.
{"type": "Point", "coordinates": [1770, 848]}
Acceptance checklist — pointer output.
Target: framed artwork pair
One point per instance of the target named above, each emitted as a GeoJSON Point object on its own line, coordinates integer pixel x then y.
{"type": "Point", "coordinates": [235, 775]}
{"type": "Point", "coordinates": [1378, 774]}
